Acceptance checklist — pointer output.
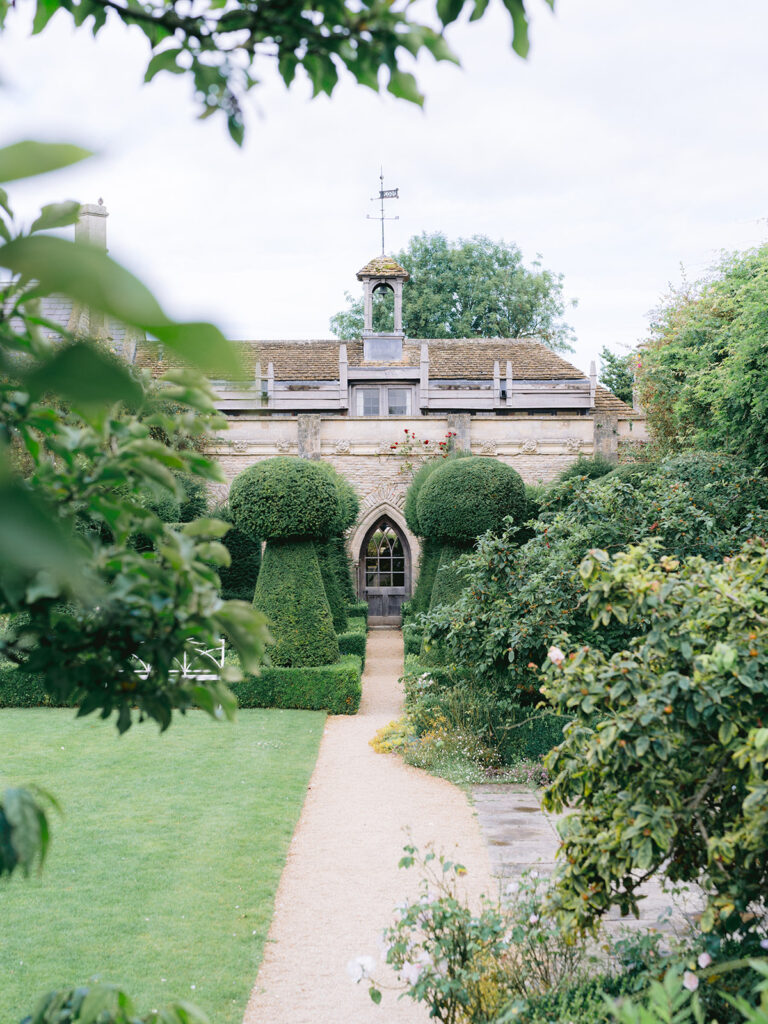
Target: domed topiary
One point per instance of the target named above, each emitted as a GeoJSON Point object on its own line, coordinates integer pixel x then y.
{"type": "Point", "coordinates": [285, 497]}
{"type": "Point", "coordinates": [289, 501]}
{"type": "Point", "coordinates": [428, 563]}
{"type": "Point", "coordinates": [449, 580]}
{"type": "Point", "coordinates": [238, 579]}
{"type": "Point", "coordinates": [463, 498]}
{"type": "Point", "coordinates": [290, 592]}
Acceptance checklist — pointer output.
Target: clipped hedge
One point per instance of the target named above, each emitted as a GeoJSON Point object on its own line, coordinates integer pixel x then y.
{"type": "Point", "coordinates": [335, 688]}
{"type": "Point", "coordinates": [358, 609]}
{"type": "Point", "coordinates": [18, 689]}
{"type": "Point", "coordinates": [338, 547]}
{"type": "Point", "coordinates": [285, 497]}
{"type": "Point", "coordinates": [354, 640]}
{"type": "Point", "coordinates": [463, 498]}
{"type": "Point", "coordinates": [238, 579]}
{"type": "Point", "coordinates": [291, 594]}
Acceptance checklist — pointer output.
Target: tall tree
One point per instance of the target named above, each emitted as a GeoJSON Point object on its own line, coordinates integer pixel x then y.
{"type": "Point", "coordinates": [703, 372]}
{"type": "Point", "coordinates": [470, 288]}
{"type": "Point", "coordinates": [224, 45]}
{"type": "Point", "coordinates": [617, 373]}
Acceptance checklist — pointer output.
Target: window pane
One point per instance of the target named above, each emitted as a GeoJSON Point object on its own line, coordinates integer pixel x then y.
{"type": "Point", "coordinates": [367, 402]}
{"type": "Point", "coordinates": [385, 579]}
{"type": "Point", "coordinates": [398, 579]}
{"type": "Point", "coordinates": [399, 401]}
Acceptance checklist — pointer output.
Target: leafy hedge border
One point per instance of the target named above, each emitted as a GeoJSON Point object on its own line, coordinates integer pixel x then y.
{"type": "Point", "coordinates": [335, 688]}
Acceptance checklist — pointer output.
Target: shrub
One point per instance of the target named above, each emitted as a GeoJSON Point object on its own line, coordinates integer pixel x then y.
{"type": "Point", "coordinates": [109, 1004]}
{"type": "Point", "coordinates": [411, 638]}
{"type": "Point", "coordinates": [428, 563]}
{"type": "Point", "coordinates": [238, 579]}
{"type": "Point", "coordinates": [343, 567]}
{"type": "Point", "coordinates": [290, 592]}
{"type": "Point", "coordinates": [354, 640]}
{"type": "Point", "coordinates": [591, 467]}
{"type": "Point", "coordinates": [357, 610]}
{"type": "Point", "coordinates": [333, 688]}
{"type": "Point", "coordinates": [464, 498]}
{"type": "Point", "coordinates": [683, 785]}
{"type": "Point", "coordinates": [410, 508]}
{"type": "Point", "coordinates": [326, 557]}
{"type": "Point", "coordinates": [285, 497]}
{"type": "Point", "coordinates": [194, 501]}
{"type": "Point", "coordinates": [450, 578]}
{"type": "Point", "coordinates": [19, 689]}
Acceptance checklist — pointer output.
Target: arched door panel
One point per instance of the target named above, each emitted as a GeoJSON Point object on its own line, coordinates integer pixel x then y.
{"type": "Point", "coordinates": [385, 572]}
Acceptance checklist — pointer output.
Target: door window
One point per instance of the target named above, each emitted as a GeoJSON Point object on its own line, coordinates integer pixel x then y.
{"type": "Point", "coordinates": [384, 559]}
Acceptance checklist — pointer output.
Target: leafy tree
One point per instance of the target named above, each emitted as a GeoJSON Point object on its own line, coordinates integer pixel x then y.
{"type": "Point", "coordinates": [617, 373]}
{"type": "Point", "coordinates": [667, 755]}
{"type": "Point", "coordinates": [222, 46]}
{"type": "Point", "coordinates": [78, 600]}
{"type": "Point", "coordinates": [702, 373]}
{"type": "Point", "coordinates": [472, 288]}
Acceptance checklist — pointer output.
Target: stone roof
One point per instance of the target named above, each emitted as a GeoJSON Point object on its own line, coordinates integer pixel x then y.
{"type": "Point", "coordinates": [383, 266]}
{"type": "Point", "coordinates": [449, 359]}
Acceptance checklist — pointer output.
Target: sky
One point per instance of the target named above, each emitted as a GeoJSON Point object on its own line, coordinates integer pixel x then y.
{"type": "Point", "coordinates": [631, 143]}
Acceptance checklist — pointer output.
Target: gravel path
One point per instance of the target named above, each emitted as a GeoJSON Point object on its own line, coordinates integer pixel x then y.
{"type": "Point", "coordinates": [341, 881]}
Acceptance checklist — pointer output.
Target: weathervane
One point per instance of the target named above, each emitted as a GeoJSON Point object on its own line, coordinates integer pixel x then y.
{"type": "Point", "coordinates": [384, 193]}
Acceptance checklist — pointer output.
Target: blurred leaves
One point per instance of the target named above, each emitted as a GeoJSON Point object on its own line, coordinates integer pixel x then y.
{"type": "Point", "coordinates": [221, 46]}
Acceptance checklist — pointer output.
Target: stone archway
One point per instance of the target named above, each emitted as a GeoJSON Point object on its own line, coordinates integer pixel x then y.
{"type": "Point", "coordinates": [385, 554]}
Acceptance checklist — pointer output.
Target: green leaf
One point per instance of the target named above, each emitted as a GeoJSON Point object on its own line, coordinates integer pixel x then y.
{"type": "Point", "coordinates": [520, 42]}
{"type": "Point", "coordinates": [81, 373]}
{"type": "Point", "coordinates": [26, 159]}
{"type": "Point", "coordinates": [43, 14]}
{"type": "Point", "coordinates": [57, 215]}
{"type": "Point", "coordinates": [163, 61]}
{"type": "Point", "coordinates": [403, 85]}
{"type": "Point", "coordinates": [449, 10]}
{"type": "Point", "coordinates": [201, 343]}
{"type": "Point", "coordinates": [375, 994]}
{"type": "Point", "coordinates": [480, 8]}
{"type": "Point", "coordinates": [23, 815]}
{"type": "Point", "coordinates": [206, 528]}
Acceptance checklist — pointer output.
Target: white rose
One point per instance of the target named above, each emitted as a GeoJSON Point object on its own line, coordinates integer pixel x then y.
{"type": "Point", "coordinates": [556, 656]}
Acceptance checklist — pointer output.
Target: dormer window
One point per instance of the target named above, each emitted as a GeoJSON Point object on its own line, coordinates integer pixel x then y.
{"type": "Point", "coordinates": [383, 400]}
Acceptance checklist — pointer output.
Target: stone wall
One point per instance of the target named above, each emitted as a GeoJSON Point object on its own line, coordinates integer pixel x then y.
{"type": "Point", "coordinates": [361, 450]}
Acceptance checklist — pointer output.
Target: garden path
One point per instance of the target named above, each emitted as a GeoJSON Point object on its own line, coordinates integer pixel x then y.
{"type": "Point", "coordinates": [341, 880]}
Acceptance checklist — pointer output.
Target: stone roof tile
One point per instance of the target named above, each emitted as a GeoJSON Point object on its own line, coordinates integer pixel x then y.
{"type": "Point", "coordinates": [383, 266]}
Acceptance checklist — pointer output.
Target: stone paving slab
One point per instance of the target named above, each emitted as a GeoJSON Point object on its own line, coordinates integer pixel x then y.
{"type": "Point", "coordinates": [521, 836]}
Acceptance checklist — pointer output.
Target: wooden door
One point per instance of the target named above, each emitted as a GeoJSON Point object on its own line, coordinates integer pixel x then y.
{"type": "Point", "coordinates": [385, 570]}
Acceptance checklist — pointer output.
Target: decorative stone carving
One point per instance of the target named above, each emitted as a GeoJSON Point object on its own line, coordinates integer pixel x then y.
{"type": "Point", "coordinates": [573, 444]}
{"type": "Point", "coordinates": [386, 449]}
{"type": "Point", "coordinates": [530, 447]}
{"type": "Point", "coordinates": [239, 447]}
{"type": "Point", "coordinates": [342, 446]}
{"type": "Point", "coordinates": [283, 446]}
{"type": "Point", "coordinates": [488, 448]}
{"type": "Point", "coordinates": [387, 494]}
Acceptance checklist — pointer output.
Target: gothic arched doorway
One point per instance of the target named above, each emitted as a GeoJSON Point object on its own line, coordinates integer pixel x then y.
{"type": "Point", "coordinates": [385, 572]}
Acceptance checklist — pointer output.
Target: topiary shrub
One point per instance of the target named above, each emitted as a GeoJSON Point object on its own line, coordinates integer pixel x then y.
{"type": "Point", "coordinates": [289, 501]}
{"type": "Point", "coordinates": [450, 580]}
{"type": "Point", "coordinates": [358, 610]}
{"type": "Point", "coordinates": [343, 569]}
{"type": "Point", "coordinates": [464, 498]}
{"type": "Point", "coordinates": [285, 497]}
{"type": "Point", "coordinates": [326, 557]}
{"type": "Point", "coordinates": [592, 467]}
{"type": "Point", "coordinates": [238, 579]}
{"type": "Point", "coordinates": [291, 594]}
{"type": "Point", "coordinates": [428, 563]}
{"type": "Point", "coordinates": [333, 688]}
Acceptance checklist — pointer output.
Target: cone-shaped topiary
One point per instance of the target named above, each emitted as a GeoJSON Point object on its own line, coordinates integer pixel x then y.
{"type": "Point", "coordinates": [291, 594]}
{"type": "Point", "coordinates": [343, 569]}
{"type": "Point", "coordinates": [238, 579]}
{"type": "Point", "coordinates": [285, 497]}
{"type": "Point", "coordinates": [463, 498]}
{"type": "Point", "coordinates": [327, 557]}
{"type": "Point", "coordinates": [430, 558]}
{"type": "Point", "coordinates": [449, 580]}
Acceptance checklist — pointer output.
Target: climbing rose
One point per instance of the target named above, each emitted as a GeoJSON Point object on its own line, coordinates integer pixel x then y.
{"type": "Point", "coordinates": [556, 656]}
{"type": "Point", "coordinates": [361, 967]}
{"type": "Point", "coordinates": [704, 960]}
{"type": "Point", "coordinates": [690, 981]}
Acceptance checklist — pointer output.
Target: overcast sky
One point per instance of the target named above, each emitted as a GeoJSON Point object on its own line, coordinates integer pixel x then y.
{"type": "Point", "coordinates": [633, 140]}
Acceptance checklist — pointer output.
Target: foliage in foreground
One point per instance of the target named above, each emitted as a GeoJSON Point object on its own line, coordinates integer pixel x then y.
{"type": "Point", "coordinates": [106, 1004]}
{"type": "Point", "coordinates": [222, 48]}
{"type": "Point", "coordinates": [667, 756]}
{"type": "Point", "coordinates": [702, 373]}
{"type": "Point", "coordinates": [471, 288]}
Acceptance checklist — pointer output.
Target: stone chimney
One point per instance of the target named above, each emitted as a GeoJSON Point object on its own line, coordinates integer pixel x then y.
{"type": "Point", "coordinates": [91, 226]}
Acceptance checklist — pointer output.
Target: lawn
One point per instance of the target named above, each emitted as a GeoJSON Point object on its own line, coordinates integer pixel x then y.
{"type": "Point", "coordinates": [162, 873]}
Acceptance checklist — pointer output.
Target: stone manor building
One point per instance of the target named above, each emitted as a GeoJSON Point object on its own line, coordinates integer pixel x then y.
{"type": "Point", "coordinates": [350, 403]}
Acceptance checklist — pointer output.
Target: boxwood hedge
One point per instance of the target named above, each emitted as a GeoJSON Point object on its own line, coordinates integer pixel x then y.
{"type": "Point", "coordinates": [463, 498]}
{"type": "Point", "coordinates": [334, 688]}
{"type": "Point", "coordinates": [285, 497]}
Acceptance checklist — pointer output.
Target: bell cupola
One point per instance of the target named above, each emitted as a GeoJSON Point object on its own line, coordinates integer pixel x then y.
{"type": "Point", "coordinates": [382, 273]}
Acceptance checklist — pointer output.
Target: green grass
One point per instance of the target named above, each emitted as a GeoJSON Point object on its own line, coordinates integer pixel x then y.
{"type": "Point", "coordinates": [162, 873]}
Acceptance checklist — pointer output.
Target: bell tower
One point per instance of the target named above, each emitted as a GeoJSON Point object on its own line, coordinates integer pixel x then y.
{"type": "Point", "coordinates": [382, 273]}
